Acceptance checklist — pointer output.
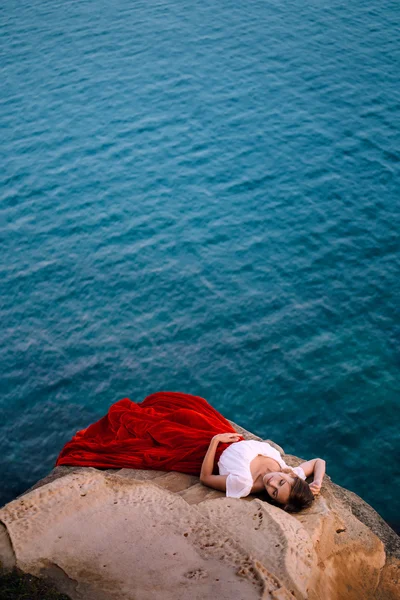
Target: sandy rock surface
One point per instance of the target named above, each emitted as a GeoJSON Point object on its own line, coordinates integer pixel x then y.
{"type": "Point", "coordinates": [146, 535]}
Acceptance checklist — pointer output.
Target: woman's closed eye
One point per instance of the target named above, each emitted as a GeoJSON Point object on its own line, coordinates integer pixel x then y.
{"type": "Point", "coordinates": [275, 492]}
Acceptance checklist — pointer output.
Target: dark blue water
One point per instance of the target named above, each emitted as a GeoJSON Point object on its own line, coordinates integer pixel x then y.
{"type": "Point", "coordinates": [203, 197]}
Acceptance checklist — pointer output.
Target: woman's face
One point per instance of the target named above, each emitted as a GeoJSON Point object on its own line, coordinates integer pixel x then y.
{"type": "Point", "coordinates": [278, 486]}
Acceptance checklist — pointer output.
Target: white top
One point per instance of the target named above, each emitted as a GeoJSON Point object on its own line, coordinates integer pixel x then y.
{"type": "Point", "coordinates": [235, 462]}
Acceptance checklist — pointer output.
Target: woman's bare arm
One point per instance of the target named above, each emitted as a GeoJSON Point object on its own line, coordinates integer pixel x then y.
{"type": "Point", "coordinates": [217, 482]}
{"type": "Point", "coordinates": [315, 467]}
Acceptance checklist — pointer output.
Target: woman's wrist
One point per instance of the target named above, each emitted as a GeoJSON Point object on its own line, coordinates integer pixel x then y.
{"type": "Point", "coordinates": [319, 471]}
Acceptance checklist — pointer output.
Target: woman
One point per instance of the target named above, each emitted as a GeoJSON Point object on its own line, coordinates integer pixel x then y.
{"type": "Point", "coordinates": [247, 467]}
{"type": "Point", "coordinates": [171, 431]}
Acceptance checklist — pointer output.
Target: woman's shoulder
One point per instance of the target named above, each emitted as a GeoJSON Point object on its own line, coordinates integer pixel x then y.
{"type": "Point", "coordinates": [238, 485]}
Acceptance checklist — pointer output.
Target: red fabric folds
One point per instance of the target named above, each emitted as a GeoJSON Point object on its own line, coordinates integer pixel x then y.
{"type": "Point", "coordinates": [168, 431]}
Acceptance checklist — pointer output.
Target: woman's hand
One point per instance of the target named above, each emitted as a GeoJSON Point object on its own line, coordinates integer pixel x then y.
{"type": "Point", "coordinates": [315, 467]}
{"type": "Point", "coordinates": [315, 486]}
{"type": "Point", "coordinates": [227, 438]}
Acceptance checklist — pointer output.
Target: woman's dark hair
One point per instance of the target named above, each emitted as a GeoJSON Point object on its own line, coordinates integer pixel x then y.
{"type": "Point", "coordinates": [300, 496]}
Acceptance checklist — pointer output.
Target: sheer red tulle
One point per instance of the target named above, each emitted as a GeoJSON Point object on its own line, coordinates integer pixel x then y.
{"type": "Point", "coordinates": [168, 431]}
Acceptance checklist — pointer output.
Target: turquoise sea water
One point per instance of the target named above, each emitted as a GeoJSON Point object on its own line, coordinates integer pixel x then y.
{"type": "Point", "coordinates": [203, 197]}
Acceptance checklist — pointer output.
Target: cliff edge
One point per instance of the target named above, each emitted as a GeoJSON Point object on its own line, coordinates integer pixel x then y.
{"type": "Point", "coordinates": [147, 535]}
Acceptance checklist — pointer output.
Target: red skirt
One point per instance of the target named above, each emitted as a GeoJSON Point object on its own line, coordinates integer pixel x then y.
{"type": "Point", "coordinates": [168, 431]}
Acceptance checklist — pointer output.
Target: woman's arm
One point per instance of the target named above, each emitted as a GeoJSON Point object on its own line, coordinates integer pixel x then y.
{"type": "Point", "coordinates": [315, 467]}
{"type": "Point", "coordinates": [217, 482]}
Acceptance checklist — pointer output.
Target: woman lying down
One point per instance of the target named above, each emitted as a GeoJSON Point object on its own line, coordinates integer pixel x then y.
{"type": "Point", "coordinates": [171, 431]}
{"type": "Point", "coordinates": [248, 466]}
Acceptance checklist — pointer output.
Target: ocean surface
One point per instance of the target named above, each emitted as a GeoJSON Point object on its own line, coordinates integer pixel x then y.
{"type": "Point", "coordinates": [203, 196]}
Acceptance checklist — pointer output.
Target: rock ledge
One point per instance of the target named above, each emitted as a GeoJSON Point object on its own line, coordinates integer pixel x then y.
{"type": "Point", "coordinates": [130, 534]}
